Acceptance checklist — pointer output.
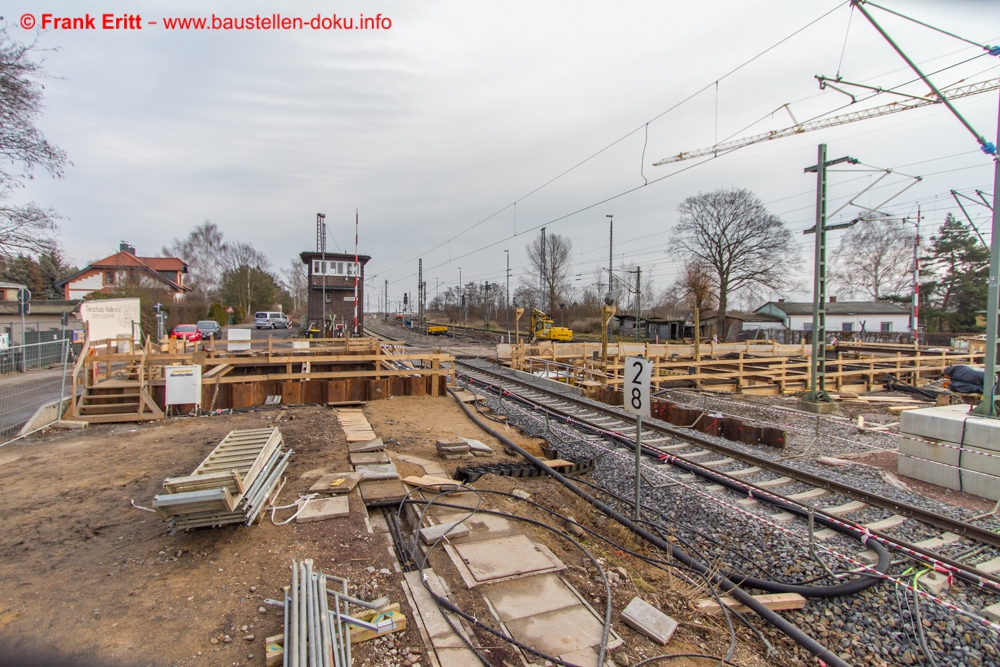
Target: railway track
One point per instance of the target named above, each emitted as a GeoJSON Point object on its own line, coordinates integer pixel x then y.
{"type": "Point", "coordinates": [701, 460]}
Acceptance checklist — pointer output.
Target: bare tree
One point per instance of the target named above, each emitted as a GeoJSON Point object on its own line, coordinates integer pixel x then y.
{"type": "Point", "coordinates": [238, 255]}
{"type": "Point", "coordinates": [874, 260]}
{"type": "Point", "coordinates": [551, 277]}
{"type": "Point", "coordinates": [202, 250]}
{"type": "Point", "coordinates": [733, 234]}
{"type": "Point", "coordinates": [297, 283]}
{"type": "Point", "coordinates": [24, 228]}
{"type": "Point", "coordinates": [694, 288]}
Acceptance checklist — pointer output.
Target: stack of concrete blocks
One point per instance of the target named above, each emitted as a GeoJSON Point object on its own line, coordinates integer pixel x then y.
{"type": "Point", "coordinates": [966, 435]}
{"type": "Point", "coordinates": [453, 449]}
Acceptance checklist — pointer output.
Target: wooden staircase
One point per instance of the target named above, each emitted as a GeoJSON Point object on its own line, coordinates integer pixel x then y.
{"type": "Point", "coordinates": [123, 397]}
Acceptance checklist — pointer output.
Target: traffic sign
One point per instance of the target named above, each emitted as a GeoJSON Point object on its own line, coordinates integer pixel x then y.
{"type": "Point", "coordinates": [24, 301]}
{"type": "Point", "coordinates": [637, 375]}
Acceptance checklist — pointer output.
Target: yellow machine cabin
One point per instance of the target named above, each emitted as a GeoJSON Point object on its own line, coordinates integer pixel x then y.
{"type": "Point", "coordinates": [437, 330]}
{"type": "Point", "coordinates": [542, 328]}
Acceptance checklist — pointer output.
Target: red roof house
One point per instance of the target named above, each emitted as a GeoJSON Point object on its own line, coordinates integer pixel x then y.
{"type": "Point", "coordinates": [124, 266]}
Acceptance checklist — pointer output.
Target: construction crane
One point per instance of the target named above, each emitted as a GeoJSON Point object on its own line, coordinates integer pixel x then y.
{"type": "Point", "coordinates": [955, 93]}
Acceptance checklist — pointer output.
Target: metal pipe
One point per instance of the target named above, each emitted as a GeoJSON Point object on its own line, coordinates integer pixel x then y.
{"type": "Point", "coordinates": [292, 627]}
{"type": "Point", "coordinates": [324, 621]}
{"type": "Point", "coordinates": [303, 619]}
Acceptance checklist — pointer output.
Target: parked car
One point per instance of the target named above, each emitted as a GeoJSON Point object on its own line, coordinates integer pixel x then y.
{"type": "Point", "coordinates": [186, 331]}
{"type": "Point", "coordinates": [209, 329]}
{"type": "Point", "coordinates": [271, 320]}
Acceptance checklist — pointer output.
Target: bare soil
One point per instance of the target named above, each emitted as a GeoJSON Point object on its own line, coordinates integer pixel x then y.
{"type": "Point", "coordinates": [83, 573]}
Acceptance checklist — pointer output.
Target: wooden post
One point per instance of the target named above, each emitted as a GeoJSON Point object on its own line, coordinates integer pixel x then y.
{"type": "Point", "coordinates": [435, 382]}
{"type": "Point", "coordinates": [739, 379]}
{"type": "Point", "coordinates": [269, 346]}
{"type": "Point", "coordinates": [840, 366]}
{"type": "Point", "coordinates": [697, 332]}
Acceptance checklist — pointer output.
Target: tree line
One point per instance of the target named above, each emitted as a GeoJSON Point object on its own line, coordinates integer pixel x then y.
{"type": "Point", "coordinates": [732, 250]}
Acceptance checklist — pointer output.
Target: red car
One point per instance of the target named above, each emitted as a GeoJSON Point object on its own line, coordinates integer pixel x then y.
{"type": "Point", "coordinates": [186, 331]}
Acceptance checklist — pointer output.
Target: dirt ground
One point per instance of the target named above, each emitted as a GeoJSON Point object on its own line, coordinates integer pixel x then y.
{"type": "Point", "coordinates": [83, 573]}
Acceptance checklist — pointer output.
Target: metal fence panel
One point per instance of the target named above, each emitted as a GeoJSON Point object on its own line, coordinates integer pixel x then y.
{"type": "Point", "coordinates": [32, 376]}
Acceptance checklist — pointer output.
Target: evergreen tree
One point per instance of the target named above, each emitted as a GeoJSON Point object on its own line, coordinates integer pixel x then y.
{"type": "Point", "coordinates": [959, 266]}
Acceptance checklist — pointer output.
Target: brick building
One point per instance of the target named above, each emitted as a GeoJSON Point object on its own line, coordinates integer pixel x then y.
{"type": "Point", "coordinates": [338, 271]}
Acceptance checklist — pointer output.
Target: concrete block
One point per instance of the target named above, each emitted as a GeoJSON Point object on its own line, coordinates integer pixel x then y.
{"type": "Point", "coordinates": [980, 474]}
{"type": "Point", "coordinates": [773, 483]}
{"type": "Point", "coordinates": [983, 433]}
{"type": "Point", "coordinates": [935, 542]}
{"type": "Point", "coordinates": [937, 423]}
{"type": "Point", "coordinates": [808, 495]}
{"type": "Point", "coordinates": [783, 517]}
{"type": "Point", "coordinates": [846, 508]}
{"type": "Point", "coordinates": [924, 470]}
{"type": "Point", "coordinates": [368, 458]}
{"type": "Point", "coordinates": [714, 488]}
{"type": "Point", "coordinates": [367, 446]}
{"type": "Point", "coordinates": [478, 447]}
{"type": "Point", "coordinates": [70, 424]}
{"type": "Point", "coordinates": [747, 502]}
{"type": "Point", "coordinates": [992, 612]}
{"type": "Point", "coordinates": [377, 471]}
{"type": "Point", "coordinates": [869, 557]}
{"type": "Point", "coordinates": [825, 534]}
{"type": "Point", "coordinates": [990, 566]}
{"type": "Point", "coordinates": [934, 583]}
{"type": "Point", "coordinates": [650, 621]}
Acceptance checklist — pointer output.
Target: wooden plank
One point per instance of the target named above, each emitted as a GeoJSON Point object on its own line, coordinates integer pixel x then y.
{"type": "Point", "coordinates": [896, 409]}
{"type": "Point", "coordinates": [398, 625]}
{"type": "Point", "coordinates": [773, 601]}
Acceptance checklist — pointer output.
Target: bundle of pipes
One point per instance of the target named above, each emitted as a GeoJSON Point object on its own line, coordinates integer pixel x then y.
{"type": "Point", "coordinates": [250, 505]}
{"type": "Point", "coordinates": [315, 634]}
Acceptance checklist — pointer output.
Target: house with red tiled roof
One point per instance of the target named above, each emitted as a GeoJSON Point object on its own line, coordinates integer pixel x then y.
{"type": "Point", "coordinates": [125, 266]}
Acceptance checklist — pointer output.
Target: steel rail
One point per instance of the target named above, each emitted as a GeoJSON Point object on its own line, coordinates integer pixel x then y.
{"type": "Point", "coordinates": [903, 509]}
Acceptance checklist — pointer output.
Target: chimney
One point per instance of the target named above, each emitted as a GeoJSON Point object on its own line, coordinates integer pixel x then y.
{"type": "Point", "coordinates": [781, 300]}
{"type": "Point", "coordinates": [833, 299]}
{"type": "Point", "coordinates": [124, 247]}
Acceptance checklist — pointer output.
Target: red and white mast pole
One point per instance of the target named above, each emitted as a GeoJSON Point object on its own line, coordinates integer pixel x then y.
{"type": "Point", "coordinates": [916, 282]}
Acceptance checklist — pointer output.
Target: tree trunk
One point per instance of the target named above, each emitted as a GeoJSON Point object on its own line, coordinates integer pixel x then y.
{"type": "Point", "coordinates": [720, 318]}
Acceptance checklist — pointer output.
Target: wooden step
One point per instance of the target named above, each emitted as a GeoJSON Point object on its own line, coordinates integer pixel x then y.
{"type": "Point", "coordinates": [773, 601]}
{"type": "Point", "coordinates": [116, 408]}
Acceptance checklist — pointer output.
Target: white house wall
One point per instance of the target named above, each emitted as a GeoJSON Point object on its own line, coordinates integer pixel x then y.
{"type": "Point", "coordinates": [873, 323]}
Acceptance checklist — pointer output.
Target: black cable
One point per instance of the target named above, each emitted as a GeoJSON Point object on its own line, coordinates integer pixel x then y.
{"type": "Point", "coordinates": [847, 588]}
{"type": "Point", "coordinates": [451, 606]}
{"type": "Point", "coordinates": [783, 625]}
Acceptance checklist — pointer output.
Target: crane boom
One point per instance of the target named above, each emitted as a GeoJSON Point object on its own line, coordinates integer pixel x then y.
{"type": "Point", "coordinates": [955, 93]}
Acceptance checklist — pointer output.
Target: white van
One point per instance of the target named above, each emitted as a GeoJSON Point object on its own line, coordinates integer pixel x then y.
{"type": "Point", "coordinates": [271, 320]}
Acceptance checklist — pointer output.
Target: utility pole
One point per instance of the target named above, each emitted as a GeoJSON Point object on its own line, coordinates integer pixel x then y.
{"type": "Point", "coordinates": [387, 300]}
{"type": "Point", "coordinates": [638, 305]}
{"type": "Point", "coordinates": [817, 400]}
{"type": "Point", "coordinates": [611, 246]}
{"type": "Point", "coordinates": [321, 248]}
{"type": "Point", "coordinates": [506, 301]}
{"type": "Point", "coordinates": [420, 294]}
{"type": "Point", "coordinates": [916, 282]}
{"type": "Point", "coordinates": [541, 275]}
{"type": "Point", "coordinates": [486, 307]}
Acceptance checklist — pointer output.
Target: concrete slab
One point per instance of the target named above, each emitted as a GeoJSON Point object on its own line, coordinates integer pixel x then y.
{"type": "Point", "coordinates": [584, 657]}
{"type": "Point", "coordinates": [366, 446]}
{"type": "Point", "coordinates": [452, 531]}
{"type": "Point", "coordinates": [650, 621]}
{"type": "Point", "coordinates": [377, 471]}
{"type": "Point", "coordinates": [382, 491]}
{"type": "Point", "coordinates": [825, 534]}
{"type": "Point", "coordinates": [321, 509]}
{"type": "Point", "coordinates": [743, 471]}
{"type": "Point", "coordinates": [934, 583]}
{"type": "Point", "coordinates": [529, 596]}
{"type": "Point", "coordinates": [992, 612]}
{"type": "Point", "coordinates": [783, 517]}
{"type": "Point", "coordinates": [481, 526]}
{"type": "Point", "coordinates": [868, 556]}
{"type": "Point", "coordinates": [498, 559]}
{"type": "Point", "coordinates": [558, 632]}
{"type": "Point", "coordinates": [332, 483]}
{"type": "Point", "coordinates": [432, 620]}
{"type": "Point", "coordinates": [773, 483]}
{"type": "Point", "coordinates": [368, 458]}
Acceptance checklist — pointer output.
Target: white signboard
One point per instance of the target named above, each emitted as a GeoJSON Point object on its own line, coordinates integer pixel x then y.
{"type": "Point", "coordinates": [183, 384]}
{"type": "Point", "coordinates": [241, 335]}
{"type": "Point", "coordinates": [111, 318]}
{"type": "Point", "coordinates": [637, 374]}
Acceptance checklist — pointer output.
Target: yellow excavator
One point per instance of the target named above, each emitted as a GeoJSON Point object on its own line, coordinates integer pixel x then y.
{"type": "Point", "coordinates": [542, 328]}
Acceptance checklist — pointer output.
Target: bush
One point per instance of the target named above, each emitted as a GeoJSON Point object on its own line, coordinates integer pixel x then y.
{"type": "Point", "coordinates": [218, 313]}
{"type": "Point", "coordinates": [239, 315]}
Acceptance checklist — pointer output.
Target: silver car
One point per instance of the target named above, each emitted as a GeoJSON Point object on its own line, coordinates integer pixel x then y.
{"type": "Point", "coordinates": [209, 329]}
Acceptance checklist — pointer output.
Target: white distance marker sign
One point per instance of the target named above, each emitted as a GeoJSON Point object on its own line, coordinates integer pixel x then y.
{"type": "Point", "coordinates": [637, 375]}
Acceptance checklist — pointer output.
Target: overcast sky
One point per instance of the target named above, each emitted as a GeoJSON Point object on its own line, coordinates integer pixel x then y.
{"type": "Point", "coordinates": [459, 109]}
